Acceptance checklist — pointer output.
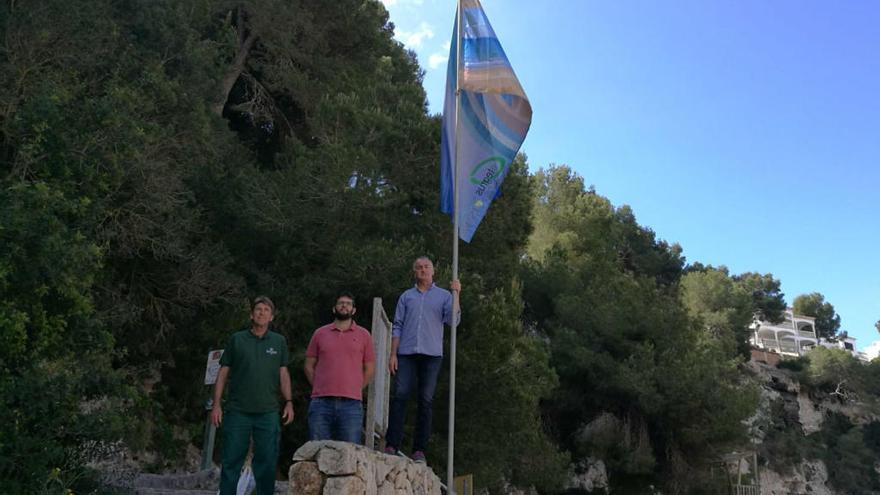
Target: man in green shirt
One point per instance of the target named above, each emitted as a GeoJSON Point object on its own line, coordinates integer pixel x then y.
{"type": "Point", "coordinates": [255, 364]}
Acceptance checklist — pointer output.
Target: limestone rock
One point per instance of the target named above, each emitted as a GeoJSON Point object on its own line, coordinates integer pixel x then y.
{"type": "Point", "coordinates": [308, 451]}
{"type": "Point", "coordinates": [344, 485]}
{"type": "Point", "coordinates": [340, 468]}
{"type": "Point", "coordinates": [811, 418]}
{"type": "Point", "coordinates": [386, 488]}
{"type": "Point", "coordinates": [401, 481]}
{"type": "Point", "coordinates": [418, 484]}
{"type": "Point", "coordinates": [396, 462]}
{"type": "Point", "coordinates": [411, 470]}
{"type": "Point", "coordinates": [366, 473]}
{"type": "Point", "coordinates": [337, 458]}
{"type": "Point", "coordinates": [434, 488]}
{"type": "Point", "coordinates": [306, 479]}
{"type": "Point", "coordinates": [589, 475]}
{"type": "Point", "coordinates": [381, 469]}
{"type": "Point", "coordinates": [808, 478]}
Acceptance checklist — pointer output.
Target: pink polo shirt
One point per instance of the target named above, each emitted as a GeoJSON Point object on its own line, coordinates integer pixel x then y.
{"type": "Point", "coordinates": [339, 371]}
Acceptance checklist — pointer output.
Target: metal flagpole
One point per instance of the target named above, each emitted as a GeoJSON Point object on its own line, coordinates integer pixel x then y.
{"type": "Point", "coordinates": [450, 486]}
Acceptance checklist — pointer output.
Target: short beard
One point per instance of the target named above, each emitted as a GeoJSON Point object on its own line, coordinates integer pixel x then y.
{"type": "Point", "coordinates": [341, 317]}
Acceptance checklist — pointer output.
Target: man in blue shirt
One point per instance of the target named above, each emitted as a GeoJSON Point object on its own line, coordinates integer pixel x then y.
{"type": "Point", "coordinates": [417, 353]}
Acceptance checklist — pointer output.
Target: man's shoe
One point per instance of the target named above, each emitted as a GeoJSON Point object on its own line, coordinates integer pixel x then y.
{"type": "Point", "coordinates": [418, 456]}
{"type": "Point", "coordinates": [389, 450]}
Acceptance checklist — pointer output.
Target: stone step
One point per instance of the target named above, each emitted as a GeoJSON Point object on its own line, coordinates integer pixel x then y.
{"type": "Point", "coordinates": [281, 488]}
{"type": "Point", "coordinates": [203, 480]}
{"type": "Point", "coordinates": [199, 483]}
{"type": "Point", "coordinates": [171, 491]}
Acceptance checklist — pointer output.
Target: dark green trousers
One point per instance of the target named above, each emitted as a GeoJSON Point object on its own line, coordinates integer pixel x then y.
{"type": "Point", "coordinates": [238, 429]}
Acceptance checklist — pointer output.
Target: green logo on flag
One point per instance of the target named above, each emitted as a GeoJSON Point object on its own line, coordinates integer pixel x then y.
{"type": "Point", "coordinates": [488, 169]}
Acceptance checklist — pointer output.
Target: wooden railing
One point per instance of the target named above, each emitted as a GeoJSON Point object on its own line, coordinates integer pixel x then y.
{"type": "Point", "coordinates": [379, 391]}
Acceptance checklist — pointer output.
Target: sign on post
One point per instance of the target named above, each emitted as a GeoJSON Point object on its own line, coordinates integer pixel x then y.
{"type": "Point", "coordinates": [212, 369]}
{"type": "Point", "coordinates": [464, 485]}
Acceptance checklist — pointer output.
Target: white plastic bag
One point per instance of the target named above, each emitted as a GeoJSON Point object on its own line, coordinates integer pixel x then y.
{"type": "Point", "coordinates": [246, 483]}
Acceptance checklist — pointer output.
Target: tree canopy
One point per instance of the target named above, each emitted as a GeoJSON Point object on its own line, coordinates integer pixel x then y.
{"type": "Point", "coordinates": [161, 163]}
{"type": "Point", "coordinates": [638, 376]}
{"type": "Point", "coordinates": [814, 304]}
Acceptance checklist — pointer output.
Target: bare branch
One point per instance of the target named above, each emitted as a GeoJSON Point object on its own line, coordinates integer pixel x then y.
{"type": "Point", "coordinates": [843, 393]}
{"type": "Point", "coordinates": [246, 42]}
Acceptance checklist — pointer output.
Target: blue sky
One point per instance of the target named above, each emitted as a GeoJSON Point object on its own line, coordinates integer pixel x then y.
{"type": "Point", "coordinates": [747, 131]}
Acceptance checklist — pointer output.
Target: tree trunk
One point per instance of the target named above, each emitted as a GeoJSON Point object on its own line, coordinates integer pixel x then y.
{"type": "Point", "coordinates": [244, 48]}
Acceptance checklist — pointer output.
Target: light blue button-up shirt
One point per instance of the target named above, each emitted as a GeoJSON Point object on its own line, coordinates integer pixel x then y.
{"type": "Point", "coordinates": [419, 319]}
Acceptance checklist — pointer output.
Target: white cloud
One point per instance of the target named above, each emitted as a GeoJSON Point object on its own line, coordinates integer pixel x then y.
{"type": "Point", "coordinates": [438, 59]}
{"type": "Point", "coordinates": [414, 39]}
{"type": "Point", "coordinates": [391, 3]}
{"type": "Point", "coordinates": [873, 350]}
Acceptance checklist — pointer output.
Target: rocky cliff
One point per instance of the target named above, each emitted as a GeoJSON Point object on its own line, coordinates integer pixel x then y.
{"type": "Point", "coordinates": [797, 433]}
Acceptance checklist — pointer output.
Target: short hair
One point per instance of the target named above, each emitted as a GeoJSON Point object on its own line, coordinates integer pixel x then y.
{"type": "Point", "coordinates": [263, 300]}
{"type": "Point", "coordinates": [345, 294]}
{"type": "Point", "coordinates": [421, 258]}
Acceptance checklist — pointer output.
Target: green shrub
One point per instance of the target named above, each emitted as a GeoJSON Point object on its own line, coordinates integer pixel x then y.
{"type": "Point", "coordinates": [56, 417]}
{"type": "Point", "coordinates": [850, 462]}
{"type": "Point", "coordinates": [797, 364]}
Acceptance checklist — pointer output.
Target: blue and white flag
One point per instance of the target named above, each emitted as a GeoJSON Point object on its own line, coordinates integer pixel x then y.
{"type": "Point", "coordinates": [494, 117]}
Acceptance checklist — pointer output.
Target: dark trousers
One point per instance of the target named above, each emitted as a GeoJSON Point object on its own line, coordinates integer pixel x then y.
{"type": "Point", "coordinates": [238, 428]}
{"type": "Point", "coordinates": [415, 373]}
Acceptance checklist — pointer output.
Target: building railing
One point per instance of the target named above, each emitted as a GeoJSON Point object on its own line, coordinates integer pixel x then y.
{"type": "Point", "coordinates": [788, 345]}
{"type": "Point", "coordinates": [745, 490]}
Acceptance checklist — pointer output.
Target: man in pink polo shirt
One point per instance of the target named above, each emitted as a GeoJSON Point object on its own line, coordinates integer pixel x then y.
{"type": "Point", "coordinates": [339, 364]}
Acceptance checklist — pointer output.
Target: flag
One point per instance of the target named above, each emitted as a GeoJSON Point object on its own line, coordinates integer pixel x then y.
{"type": "Point", "coordinates": [494, 116]}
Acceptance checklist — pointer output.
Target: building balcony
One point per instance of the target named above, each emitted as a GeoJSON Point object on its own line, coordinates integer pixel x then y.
{"type": "Point", "coordinates": [786, 346]}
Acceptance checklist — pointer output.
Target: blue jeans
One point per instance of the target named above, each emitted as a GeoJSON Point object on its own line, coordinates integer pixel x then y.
{"type": "Point", "coordinates": [414, 372]}
{"type": "Point", "coordinates": [238, 428]}
{"type": "Point", "coordinates": [336, 418]}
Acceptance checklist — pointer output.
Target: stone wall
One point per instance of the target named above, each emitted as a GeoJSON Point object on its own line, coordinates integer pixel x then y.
{"type": "Point", "coordinates": [762, 356]}
{"type": "Point", "coordinates": [334, 468]}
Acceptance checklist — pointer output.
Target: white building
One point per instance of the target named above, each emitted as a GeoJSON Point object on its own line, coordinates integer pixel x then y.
{"type": "Point", "coordinates": [873, 350]}
{"type": "Point", "coordinates": [797, 335]}
{"type": "Point", "coordinates": [847, 343]}
{"type": "Point", "coordinates": [793, 337]}
{"type": "Point", "coordinates": [842, 341]}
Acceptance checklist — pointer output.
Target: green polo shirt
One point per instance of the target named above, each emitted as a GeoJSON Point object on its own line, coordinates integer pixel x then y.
{"type": "Point", "coordinates": [254, 363]}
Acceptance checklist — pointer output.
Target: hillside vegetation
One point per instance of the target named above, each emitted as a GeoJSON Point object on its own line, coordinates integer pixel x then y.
{"type": "Point", "coordinates": [162, 162]}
